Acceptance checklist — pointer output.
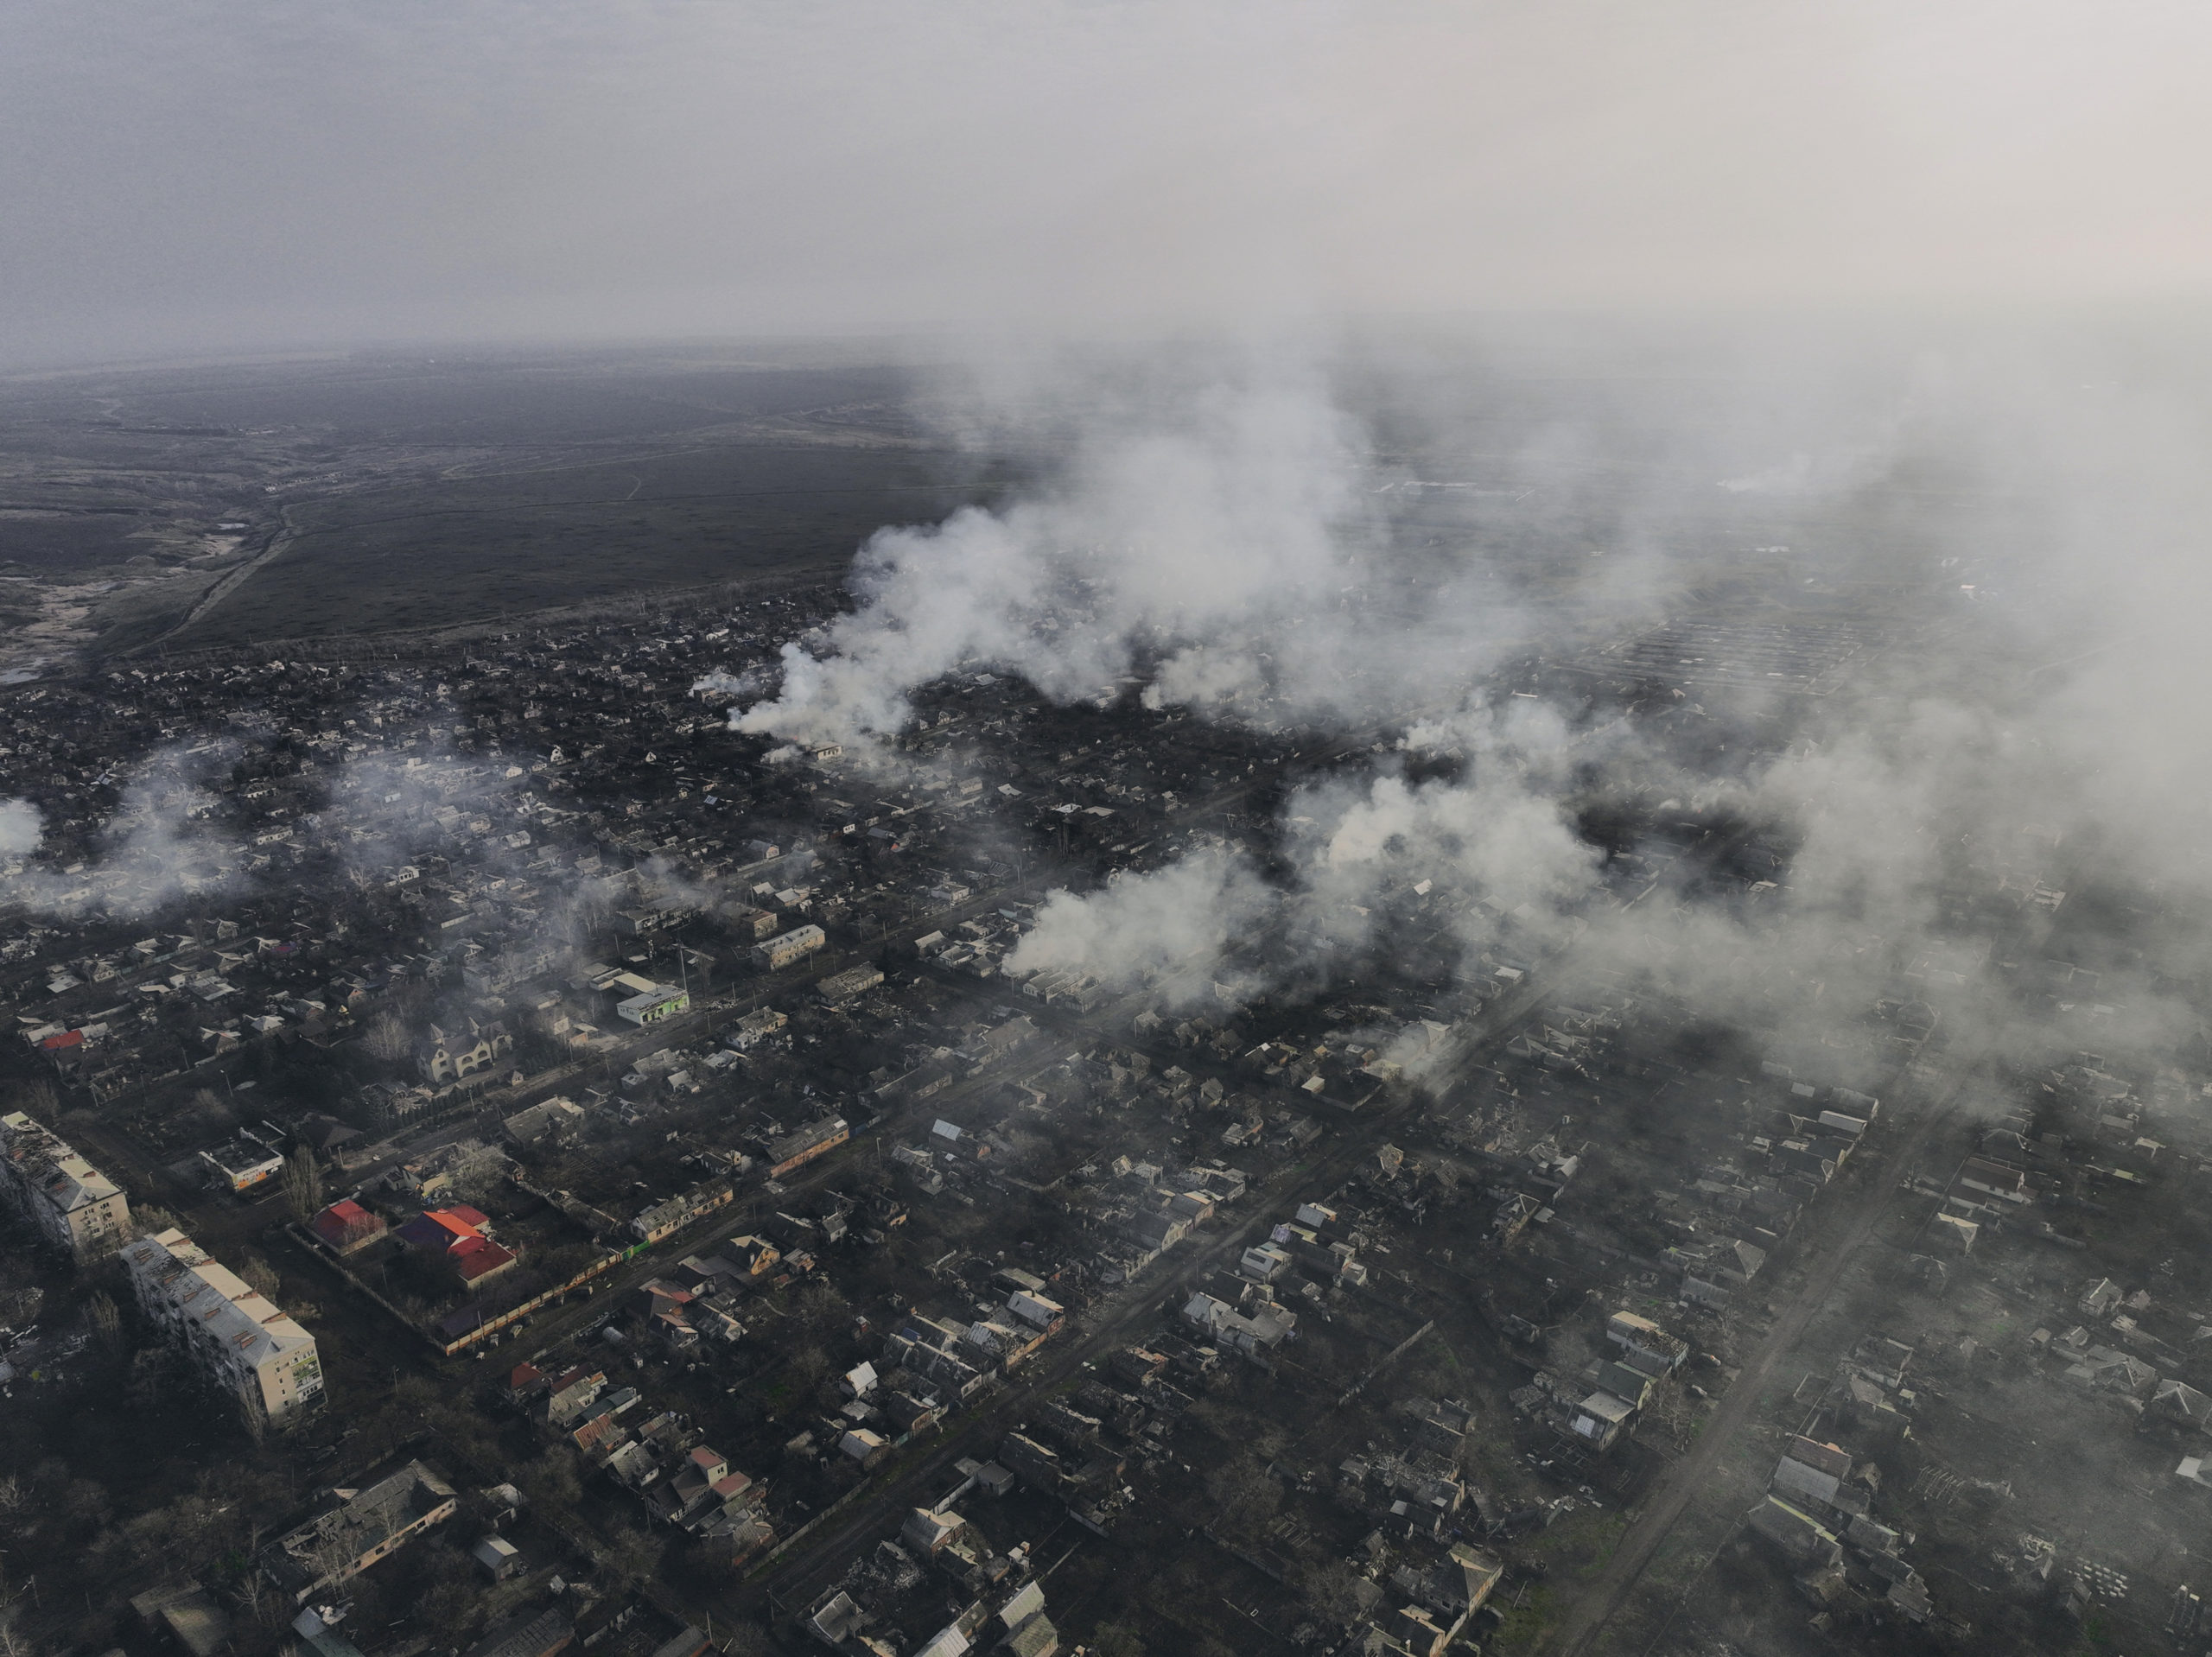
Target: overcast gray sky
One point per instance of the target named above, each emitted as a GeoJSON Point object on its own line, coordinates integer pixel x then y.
{"type": "Point", "coordinates": [204, 174]}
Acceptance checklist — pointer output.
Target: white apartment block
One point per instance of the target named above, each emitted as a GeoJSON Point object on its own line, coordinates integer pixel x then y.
{"type": "Point", "coordinates": [77, 1207]}
{"type": "Point", "coordinates": [236, 1336]}
{"type": "Point", "coordinates": [778, 952]}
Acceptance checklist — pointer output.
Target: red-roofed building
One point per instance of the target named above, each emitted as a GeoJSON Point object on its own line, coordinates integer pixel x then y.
{"type": "Point", "coordinates": [478, 1259]}
{"type": "Point", "coordinates": [457, 1234]}
{"type": "Point", "coordinates": [65, 1051]}
{"type": "Point", "coordinates": [457, 1222]}
{"type": "Point", "coordinates": [346, 1226]}
{"type": "Point", "coordinates": [442, 1228]}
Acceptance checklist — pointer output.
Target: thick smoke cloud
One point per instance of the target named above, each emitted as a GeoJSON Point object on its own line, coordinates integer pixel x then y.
{"type": "Point", "coordinates": [2020, 527]}
{"type": "Point", "coordinates": [1208, 546]}
{"type": "Point", "coordinates": [165, 842]}
{"type": "Point", "coordinates": [21, 827]}
{"type": "Point", "coordinates": [1217, 534]}
{"type": "Point", "coordinates": [1358, 853]}
{"type": "Point", "coordinates": [153, 850]}
{"type": "Point", "coordinates": [1178, 926]}
{"type": "Point", "coordinates": [1499, 839]}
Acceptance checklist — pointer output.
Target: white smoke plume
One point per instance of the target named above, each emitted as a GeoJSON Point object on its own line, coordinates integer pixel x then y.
{"type": "Point", "coordinates": [1180, 924]}
{"type": "Point", "coordinates": [21, 827]}
{"type": "Point", "coordinates": [2034, 551]}
{"type": "Point", "coordinates": [150, 854]}
{"type": "Point", "coordinates": [1497, 844]}
{"type": "Point", "coordinates": [751, 683]}
{"type": "Point", "coordinates": [1217, 549]}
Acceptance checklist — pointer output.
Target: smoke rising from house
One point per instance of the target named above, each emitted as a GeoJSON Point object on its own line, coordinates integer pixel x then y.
{"type": "Point", "coordinates": [1210, 549]}
{"type": "Point", "coordinates": [21, 827]}
{"type": "Point", "coordinates": [1182, 921]}
{"type": "Point", "coordinates": [1246, 556]}
{"type": "Point", "coordinates": [154, 850]}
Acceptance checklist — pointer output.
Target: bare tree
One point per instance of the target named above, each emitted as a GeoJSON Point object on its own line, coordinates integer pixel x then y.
{"type": "Point", "coordinates": [1338, 1592]}
{"type": "Point", "coordinates": [261, 1601]}
{"type": "Point", "coordinates": [550, 1483]}
{"type": "Point", "coordinates": [260, 1276]}
{"type": "Point", "coordinates": [106, 1322]}
{"type": "Point", "coordinates": [809, 1363]}
{"type": "Point", "coordinates": [633, 1555]}
{"type": "Point", "coordinates": [302, 1185]}
{"type": "Point", "coordinates": [208, 1106]}
{"type": "Point", "coordinates": [331, 1560]}
{"type": "Point", "coordinates": [153, 1218]}
{"type": "Point", "coordinates": [387, 1039]}
{"type": "Point", "coordinates": [751, 1640]}
{"type": "Point", "coordinates": [1244, 1493]}
{"type": "Point", "coordinates": [38, 1097]}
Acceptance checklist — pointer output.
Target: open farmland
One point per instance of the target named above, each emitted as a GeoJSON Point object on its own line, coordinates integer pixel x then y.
{"type": "Point", "coordinates": [221, 504]}
{"type": "Point", "coordinates": [417, 555]}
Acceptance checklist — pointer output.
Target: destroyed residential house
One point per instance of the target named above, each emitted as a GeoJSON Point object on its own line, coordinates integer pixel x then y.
{"type": "Point", "coordinates": [795, 1150]}
{"type": "Point", "coordinates": [449, 1171]}
{"type": "Point", "coordinates": [756, 1027]}
{"type": "Point", "coordinates": [1797, 1533]}
{"type": "Point", "coordinates": [556, 1122]}
{"type": "Point", "coordinates": [939, 1358]}
{"type": "Point", "coordinates": [2181, 1405]}
{"type": "Point", "coordinates": [394, 1103]}
{"type": "Point", "coordinates": [840, 987]}
{"type": "Point", "coordinates": [1254, 1334]}
{"type": "Point", "coordinates": [1450, 1590]}
{"type": "Point", "coordinates": [996, 1605]}
{"type": "Point", "coordinates": [242, 1164]}
{"type": "Point", "coordinates": [1645, 1346]}
{"type": "Point", "coordinates": [753, 1256]}
{"type": "Point", "coordinates": [495, 972]}
{"type": "Point", "coordinates": [354, 1528]}
{"type": "Point", "coordinates": [1817, 1512]}
{"type": "Point", "coordinates": [662, 1219]}
{"type": "Point", "coordinates": [570, 1394]}
{"type": "Point", "coordinates": [696, 1489]}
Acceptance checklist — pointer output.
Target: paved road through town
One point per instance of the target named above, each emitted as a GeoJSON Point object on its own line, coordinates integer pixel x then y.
{"type": "Point", "coordinates": [1839, 1234]}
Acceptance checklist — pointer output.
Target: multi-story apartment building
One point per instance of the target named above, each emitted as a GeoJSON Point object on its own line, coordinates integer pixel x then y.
{"type": "Point", "coordinates": [778, 952]}
{"type": "Point", "coordinates": [76, 1206]}
{"type": "Point", "coordinates": [233, 1335]}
